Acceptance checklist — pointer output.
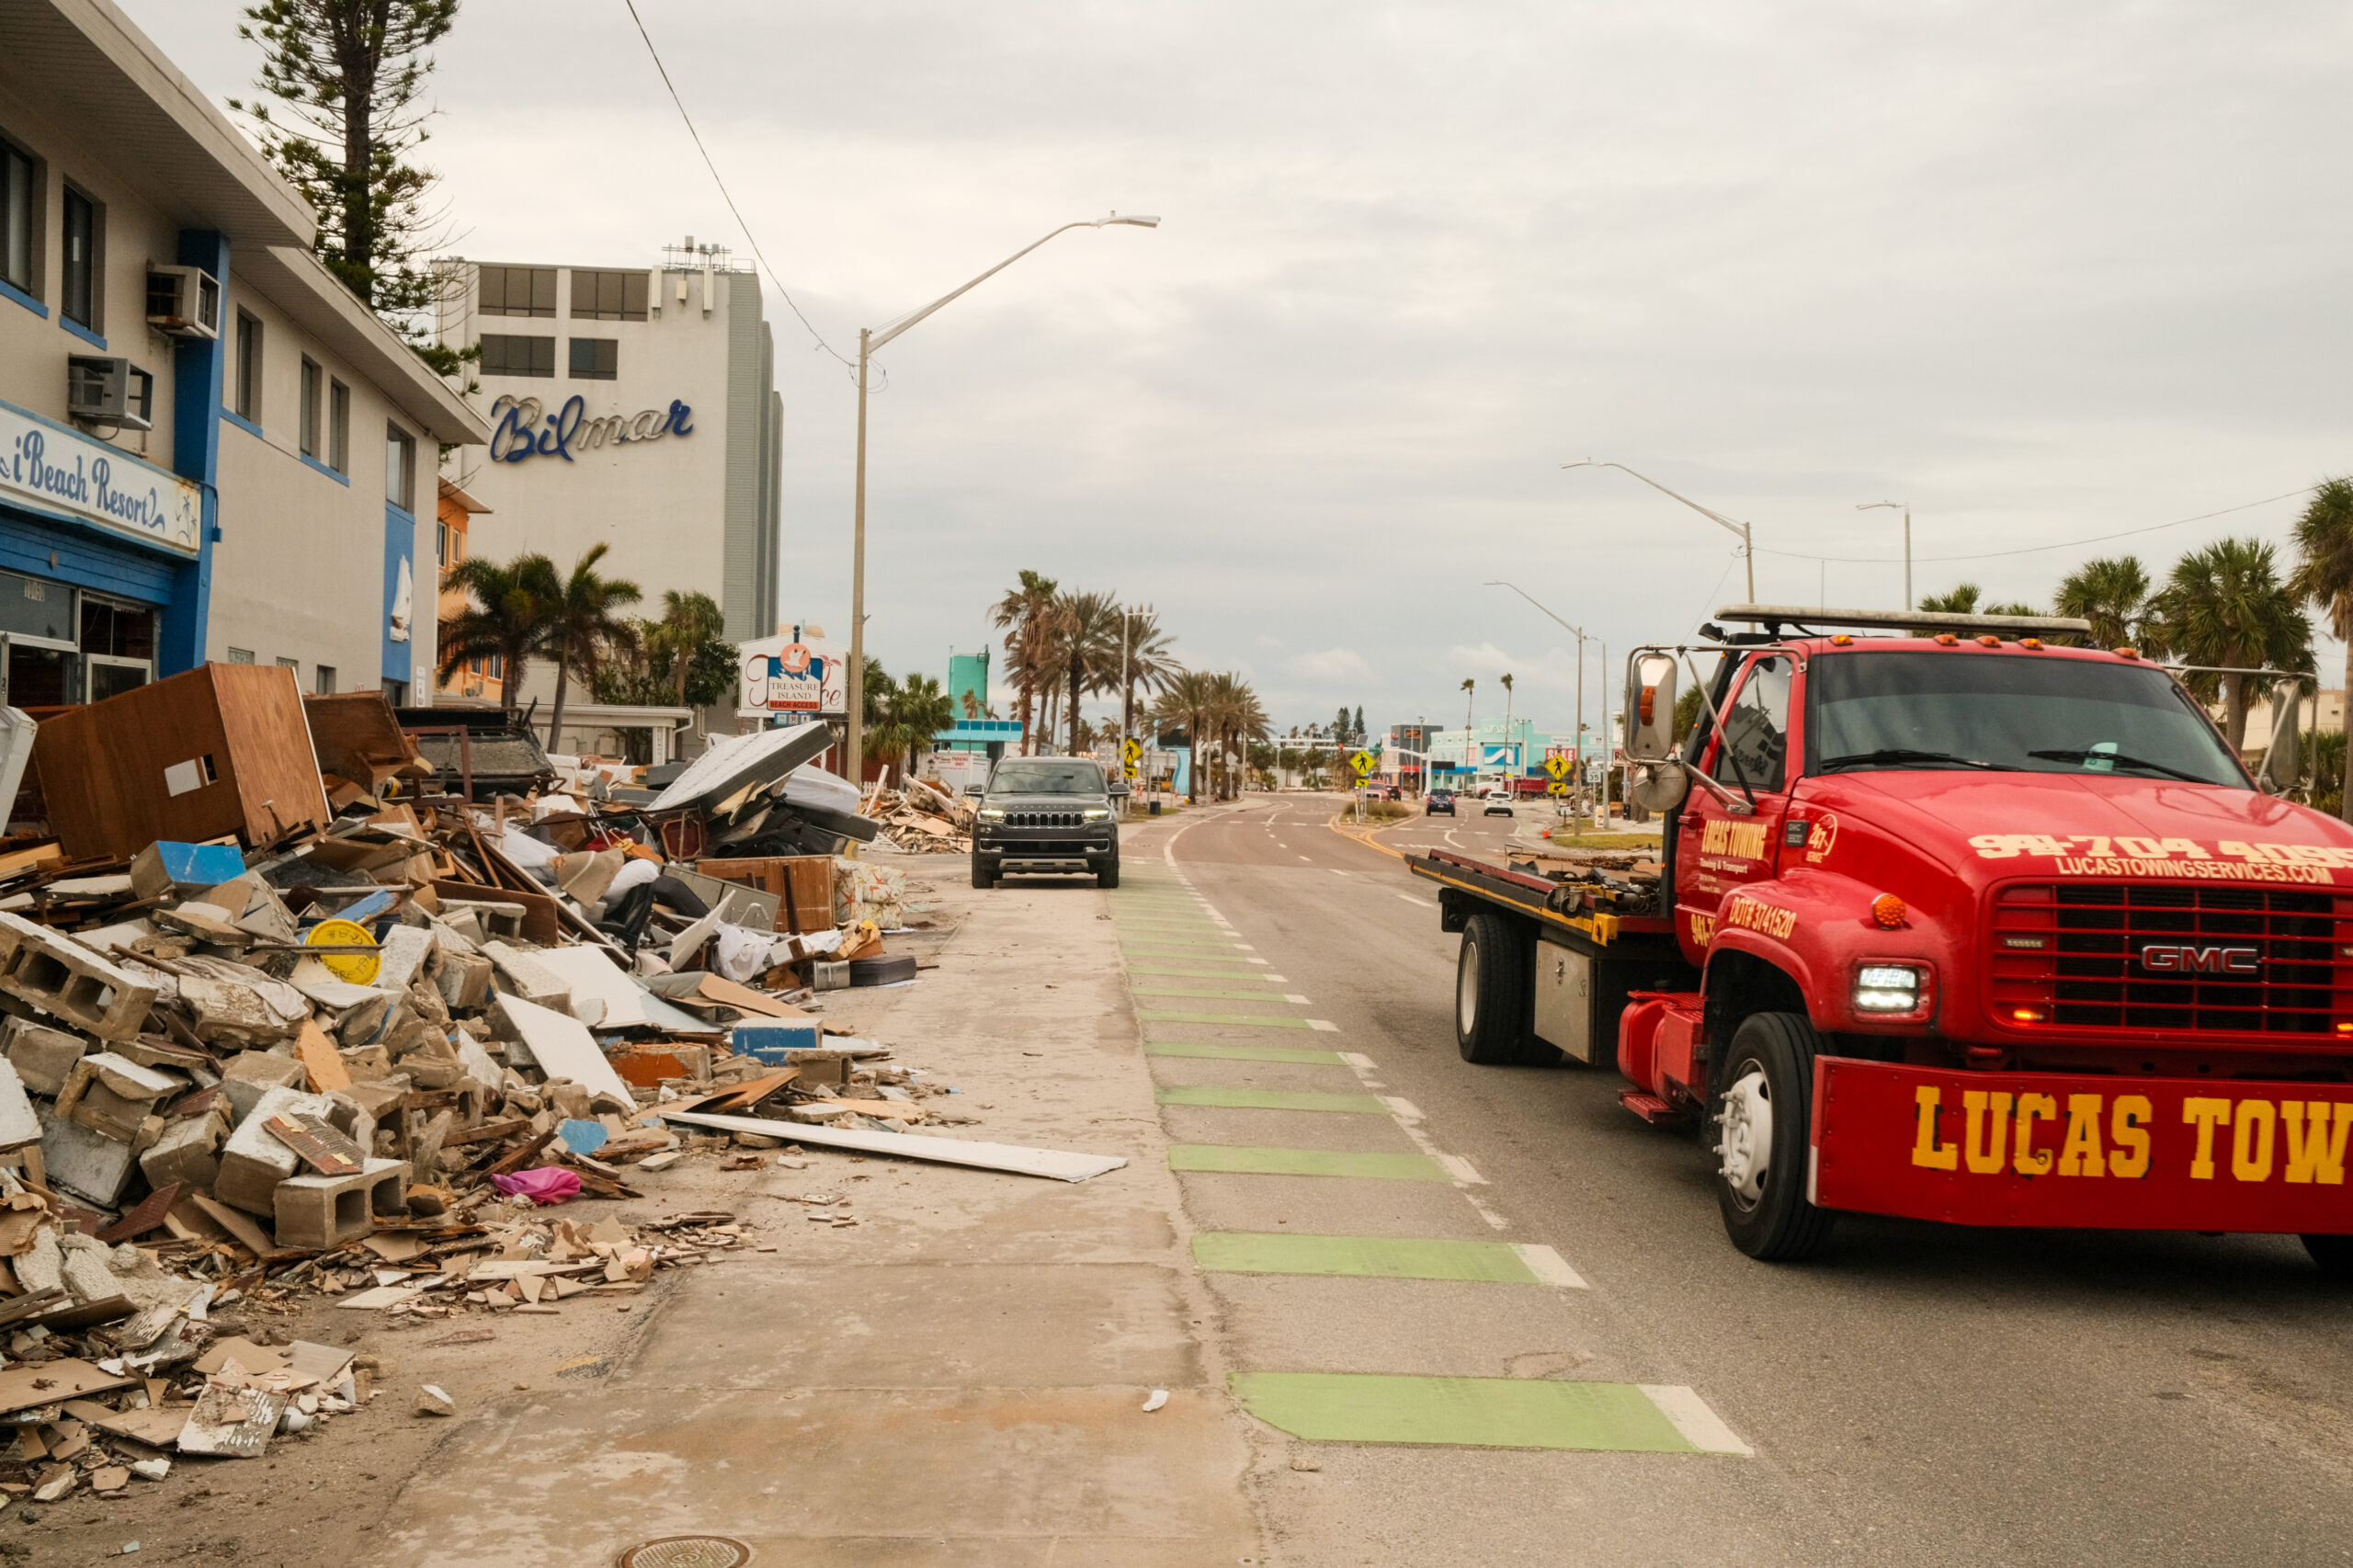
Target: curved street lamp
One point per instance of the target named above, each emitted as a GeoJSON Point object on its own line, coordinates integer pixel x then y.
{"type": "Point", "coordinates": [1747, 544]}
{"type": "Point", "coordinates": [1906, 508]}
{"type": "Point", "coordinates": [868, 340]}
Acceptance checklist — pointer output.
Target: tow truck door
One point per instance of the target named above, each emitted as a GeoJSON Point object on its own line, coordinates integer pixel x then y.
{"type": "Point", "coordinates": [1719, 847]}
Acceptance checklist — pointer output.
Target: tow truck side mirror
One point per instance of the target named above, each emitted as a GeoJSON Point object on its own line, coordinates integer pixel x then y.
{"type": "Point", "coordinates": [2283, 764]}
{"type": "Point", "coordinates": [1650, 706]}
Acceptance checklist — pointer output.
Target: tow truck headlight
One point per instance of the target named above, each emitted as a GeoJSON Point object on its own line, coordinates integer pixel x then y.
{"type": "Point", "coordinates": [1097, 813]}
{"type": "Point", "coordinates": [1887, 988]}
{"type": "Point", "coordinates": [991, 813]}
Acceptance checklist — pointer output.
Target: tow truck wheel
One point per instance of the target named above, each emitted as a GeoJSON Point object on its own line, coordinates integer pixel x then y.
{"type": "Point", "coordinates": [2334, 1254]}
{"type": "Point", "coordinates": [1491, 984]}
{"type": "Point", "coordinates": [1759, 1121]}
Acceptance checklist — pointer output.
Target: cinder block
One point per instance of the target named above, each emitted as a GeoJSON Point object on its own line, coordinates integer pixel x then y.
{"type": "Point", "coordinates": [42, 1055]}
{"type": "Point", "coordinates": [322, 1211]}
{"type": "Point", "coordinates": [403, 949]}
{"type": "Point", "coordinates": [112, 1095]}
{"type": "Point", "coordinates": [252, 1073]}
{"type": "Point", "coordinates": [252, 1163]}
{"type": "Point", "coordinates": [86, 1165]}
{"type": "Point", "coordinates": [66, 980]}
{"type": "Point", "coordinates": [188, 1153]}
{"type": "Point", "coordinates": [19, 1125]}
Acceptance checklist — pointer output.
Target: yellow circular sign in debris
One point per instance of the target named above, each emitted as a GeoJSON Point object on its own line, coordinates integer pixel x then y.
{"type": "Point", "coordinates": [356, 969]}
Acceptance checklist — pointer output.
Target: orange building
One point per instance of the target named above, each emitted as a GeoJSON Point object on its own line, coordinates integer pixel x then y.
{"type": "Point", "coordinates": [479, 679]}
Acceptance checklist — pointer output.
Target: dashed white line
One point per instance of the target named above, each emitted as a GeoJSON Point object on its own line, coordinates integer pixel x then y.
{"type": "Point", "coordinates": [1550, 1267]}
{"type": "Point", "coordinates": [1702, 1427]}
{"type": "Point", "coordinates": [1294, 1001]}
{"type": "Point", "coordinates": [1409, 898]}
{"type": "Point", "coordinates": [1327, 1025]}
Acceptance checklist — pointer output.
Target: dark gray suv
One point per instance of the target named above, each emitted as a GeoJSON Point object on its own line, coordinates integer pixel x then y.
{"type": "Point", "coordinates": [1047, 813]}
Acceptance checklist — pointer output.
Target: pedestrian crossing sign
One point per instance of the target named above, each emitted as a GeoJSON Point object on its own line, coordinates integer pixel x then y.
{"type": "Point", "coordinates": [1130, 751]}
{"type": "Point", "coordinates": [1558, 787]}
{"type": "Point", "coordinates": [1364, 763]}
{"type": "Point", "coordinates": [1558, 765]}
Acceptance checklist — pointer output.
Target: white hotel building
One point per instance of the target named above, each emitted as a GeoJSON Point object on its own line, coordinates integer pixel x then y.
{"type": "Point", "coordinates": [628, 406]}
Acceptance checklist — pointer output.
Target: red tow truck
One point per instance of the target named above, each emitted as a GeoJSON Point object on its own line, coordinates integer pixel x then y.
{"type": "Point", "coordinates": [1952, 921]}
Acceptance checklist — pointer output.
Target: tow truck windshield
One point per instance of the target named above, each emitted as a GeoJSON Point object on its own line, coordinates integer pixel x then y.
{"type": "Point", "coordinates": [1870, 710]}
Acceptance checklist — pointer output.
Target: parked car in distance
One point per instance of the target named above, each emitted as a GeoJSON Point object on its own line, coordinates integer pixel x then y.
{"type": "Point", "coordinates": [1439, 800]}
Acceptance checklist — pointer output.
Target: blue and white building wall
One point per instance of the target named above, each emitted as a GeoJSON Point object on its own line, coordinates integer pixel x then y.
{"type": "Point", "coordinates": [129, 553]}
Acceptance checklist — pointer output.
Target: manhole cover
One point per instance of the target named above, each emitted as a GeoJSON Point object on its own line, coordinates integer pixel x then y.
{"type": "Point", "coordinates": [687, 1552]}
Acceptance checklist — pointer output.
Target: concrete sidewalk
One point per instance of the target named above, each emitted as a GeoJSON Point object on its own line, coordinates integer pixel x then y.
{"type": "Point", "coordinates": [957, 1380]}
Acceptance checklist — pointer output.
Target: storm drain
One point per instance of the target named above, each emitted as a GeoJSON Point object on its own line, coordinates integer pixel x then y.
{"type": "Point", "coordinates": [687, 1552]}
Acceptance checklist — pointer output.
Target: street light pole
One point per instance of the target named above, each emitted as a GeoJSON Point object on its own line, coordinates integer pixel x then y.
{"type": "Point", "coordinates": [1906, 505]}
{"type": "Point", "coordinates": [869, 341]}
{"type": "Point", "coordinates": [1747, 543]}
{"type": "Point", "coordinates": [1577, 744]}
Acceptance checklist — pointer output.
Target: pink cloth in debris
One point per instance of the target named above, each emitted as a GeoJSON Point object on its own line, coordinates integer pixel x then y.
{"type": "Point", "coordinates": [544, 1186]}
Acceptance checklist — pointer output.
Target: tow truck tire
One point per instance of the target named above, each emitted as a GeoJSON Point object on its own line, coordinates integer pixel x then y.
{"type": "Point", "coordinates": [2333, 1253]}
{"type": "Point", "coordinates": [1491, 985]}
{"type": "Point", "coordinates": [1769, 1069]}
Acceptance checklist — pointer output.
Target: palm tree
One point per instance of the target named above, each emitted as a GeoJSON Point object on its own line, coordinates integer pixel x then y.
{"type": "Point", "coordinates": [688, 620]}
{"type": "Point", "coordinates": [1506, 680]}
{"type": "Point", "coordinates": [506, 617]}
{"type": "Point", "coordinates": [1087, 650]}
{"type": "Point", "coordinates": [1962, 600]}
{"type": "Point", "coordinates": [581, 624]}
{"type": "Point", "coordinates": [2112, 594]}
{"type": "Point", "coordinates": [1185, 703]}
{"type": "Point", "coordinates": [1469, 736]}
{"type": "Point", "coordinates": [1146, 661]}
{"type": "Point", "coordinates": [2225, 605]}
{"type": "Point", "coordinates": [911, 712]}
{"type": "Point", "coordinates": [1025, 615]}
{"type": "Point", "coordinates": [2323, 575]}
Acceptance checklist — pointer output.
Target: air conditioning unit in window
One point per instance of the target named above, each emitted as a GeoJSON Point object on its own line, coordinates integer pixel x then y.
{"type": "Point", "coordinates": [183, 300]}
{"type": "Point", "coordinates": [107, 389]}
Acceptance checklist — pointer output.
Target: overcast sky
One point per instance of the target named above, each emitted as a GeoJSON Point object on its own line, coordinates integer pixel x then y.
{"type": "Point", "coordinates": [2043, 271]}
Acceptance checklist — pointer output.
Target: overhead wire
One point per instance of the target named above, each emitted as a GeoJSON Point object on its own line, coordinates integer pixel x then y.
{"type": "Point", "coordinates": [2038, 549]}
{"type": "Point", "coordinates": [725, 195]}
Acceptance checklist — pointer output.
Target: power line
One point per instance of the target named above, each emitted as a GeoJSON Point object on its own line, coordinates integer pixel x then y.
{"type": "Point", "coordinates": [724, 194]}
{"type": "Point", "coordinates": [2038, 549]}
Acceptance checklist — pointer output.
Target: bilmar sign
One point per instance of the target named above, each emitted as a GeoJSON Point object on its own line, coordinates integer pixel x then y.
{"type": "Point", "coordinates": [523, 429]}
{"type": "Point", "coordinates": [55, 469]}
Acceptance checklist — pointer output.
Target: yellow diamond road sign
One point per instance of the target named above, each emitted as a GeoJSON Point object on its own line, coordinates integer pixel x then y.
{"type": "Point", "coordinates": [1131, 749]}
{"type": "Point", "coordinates": [1558, 765]}
{"type": "Point", "coordinates": [1557, 787]}
{"type": "Point", "coordinates": [1363, 763]}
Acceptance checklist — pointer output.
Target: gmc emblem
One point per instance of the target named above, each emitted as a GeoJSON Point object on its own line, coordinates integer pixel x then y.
{"type": "Point", "coordinates": [2168, 959]}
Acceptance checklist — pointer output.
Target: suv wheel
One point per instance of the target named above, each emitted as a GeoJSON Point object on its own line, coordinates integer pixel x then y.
{"type": "Point", "coordinates": [983, 877]}
{"type": "Point", "coordinates": [1109, 875]}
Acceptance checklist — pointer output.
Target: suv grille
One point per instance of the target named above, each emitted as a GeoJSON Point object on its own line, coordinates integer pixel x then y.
{"type": "Point", "coordinates": [2076, 953]}
{"type": "Point", "coordinates": [1043, 819]}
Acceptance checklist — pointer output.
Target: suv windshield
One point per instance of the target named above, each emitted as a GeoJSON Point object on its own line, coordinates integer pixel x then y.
{"type": "Point", "coordinates": [1871, 710]}
{"type": "Point", "coordinates": [1046, 778]}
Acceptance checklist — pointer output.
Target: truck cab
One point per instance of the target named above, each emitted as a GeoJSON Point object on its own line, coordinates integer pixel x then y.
{"type": "Point", "coordinates": [1967, 924]}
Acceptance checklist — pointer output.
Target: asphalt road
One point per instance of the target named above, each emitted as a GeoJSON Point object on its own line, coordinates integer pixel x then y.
{"type": "Point", "coordinates": [1916, 1394]}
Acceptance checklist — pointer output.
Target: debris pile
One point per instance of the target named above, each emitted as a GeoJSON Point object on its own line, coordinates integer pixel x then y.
{"type": "Point", "coordinates": [921, 818]}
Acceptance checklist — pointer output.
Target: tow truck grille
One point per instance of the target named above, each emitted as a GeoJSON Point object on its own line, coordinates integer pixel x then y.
{"type": "Point", "coordinates": [2074, 956]}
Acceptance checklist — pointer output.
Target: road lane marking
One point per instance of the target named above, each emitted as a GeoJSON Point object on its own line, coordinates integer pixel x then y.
{"type": "Point", "coordinates": [1484, 1413]}
{"type": "Point", "coordinates": [1228, 1159]}
{"type": "Point", "coordinates": [1295, 1001]}
{"type": "Point", "coordinates": [1461, 1169]}
{"type": "Point", "coordinates": [1702, 1427]}
{"type": "Point", "coordinates": [1366, 1257]}
{"type": "Point", "coordinates": [1204, 973]}
{"type": "Point", "coordinates": [1409, 898]}
{"type": "Point", "coordinates": [1206, 1051]}
{"type": "Point", "coordinates": [1324, 1024]}
{"type": "Point", "coordinates": [1227, 1099]}
{"type": "Point", "coordinates": [1548, 1265]}
{"type": "Point", "coordinates": [1152, 989]}
{"type": "Point", "coordinates": [1243, 1020]}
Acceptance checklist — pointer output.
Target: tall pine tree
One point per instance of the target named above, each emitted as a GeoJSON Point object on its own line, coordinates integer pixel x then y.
{"type": "Point", "coordinates": [348, 80]}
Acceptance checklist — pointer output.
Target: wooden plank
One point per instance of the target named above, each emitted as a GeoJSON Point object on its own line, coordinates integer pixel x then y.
{"type": "Point", "coordinates": [244, 1228]}
{"type": "Point", "coordinates": [541, 924]}
{"type": "Point", "coordinates": [514, 1160]}
{"type": "Point", "coordinates": [320, 1059]}
{"type": "Point", "coordinates": [1053, 1163]}
{"type": "Point", "coordinates": [31, 1386]}
{"type": "Point", "coordinates": [486, 1132]}
{"type": "Point", "coordinates": [320, 1146]}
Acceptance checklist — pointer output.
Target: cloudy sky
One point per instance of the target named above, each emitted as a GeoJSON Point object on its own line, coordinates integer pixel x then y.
{"type": "Point", "coordinates": [2046, 272]}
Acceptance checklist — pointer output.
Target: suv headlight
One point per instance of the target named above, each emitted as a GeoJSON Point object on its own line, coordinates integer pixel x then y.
{"type": "Point", "coordinates": [991, 813]}
{"type": "Point", "coordinates": [1097, 813]}
{"type": "Point", "coordinates": [1888, 988]}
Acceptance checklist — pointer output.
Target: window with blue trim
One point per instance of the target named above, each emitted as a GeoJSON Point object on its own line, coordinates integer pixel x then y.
{"type": "Point", "coordinates": [78, 302]}
{"type": "Point", "coordinates": [18, 204]}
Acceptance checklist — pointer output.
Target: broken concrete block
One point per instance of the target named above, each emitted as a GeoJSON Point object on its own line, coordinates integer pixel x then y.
{"type": "Point", "coordinates": [86, 1274]}
{"type": "Point", "coordinates": [92, 1166]}
{"type": "Point", "coordinates": [112, 1096]}
{"type": "Point", "coordinates": [68, 981]}
{"type": "Point", "coordinates": [322, 1211]}
{"type": "Point", "coordinates": [431, 1400]}
{"type": "Point", "coordinates": [19, 1125]}
{"type": "Point", "coordinates": [230, 1013]}
{"type": "Point", "coordinates": [523, 975]}
{"type": "Point", "coordinates": [403, 951]}
{"type": "Point", "coordinates": [42, 1055]}
{"type": "Point", "coordinates": [252, 1073]}
{"type": "Point", "coordinates": [463, 981]}
{"type": "Point", "coordinates": [189, 1152]}
{"type": "Point", "coordinates": [252, 1163]}
{"type": "Point", "coordinates": [369, 1064]}
{"type": "Point", "coordinates": [41, 1267]}
{"type": "Point", "coordinates": [378, 1098]}
{"type": "Point", "coordinates": [351, 1119]}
